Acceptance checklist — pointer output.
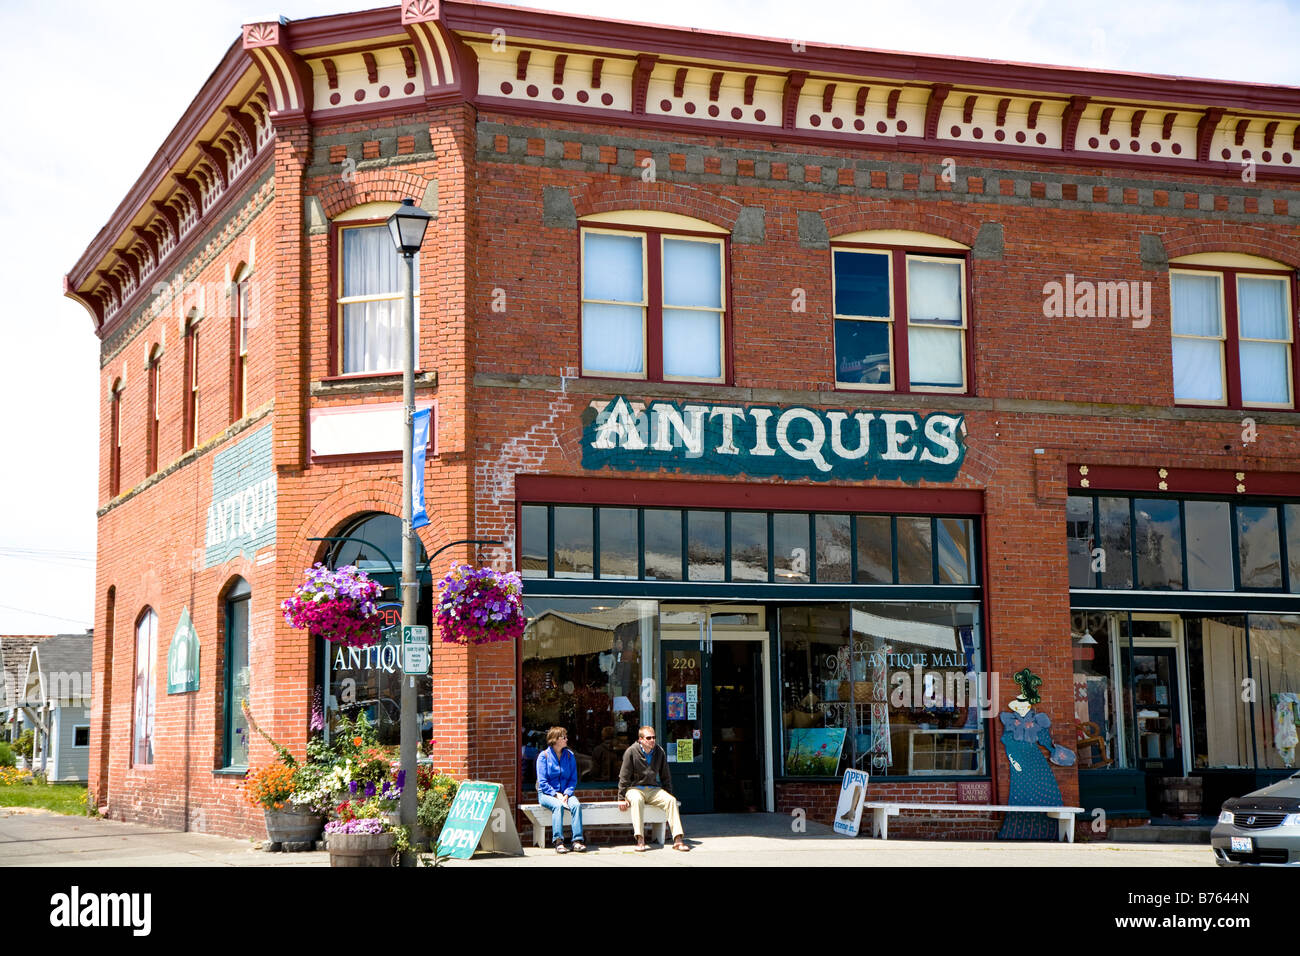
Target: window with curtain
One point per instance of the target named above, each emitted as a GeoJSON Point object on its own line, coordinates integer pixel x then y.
{"type": "Point", "coordinates": [1233, 337]}
{"type": "Point", "coordinates": [146, 663]}
{"type": "Point", "coordinates": [115, 440]}
{"type": "Point", "coordinates": [653, 305]}
{"type": "Point", "coordinates": [927, 352]}
{"type": "Point", "coordinates": [370, 301]}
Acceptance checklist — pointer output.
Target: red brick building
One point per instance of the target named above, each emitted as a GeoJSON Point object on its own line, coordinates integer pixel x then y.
{"type": "Point", "coordinates": [813, 390]}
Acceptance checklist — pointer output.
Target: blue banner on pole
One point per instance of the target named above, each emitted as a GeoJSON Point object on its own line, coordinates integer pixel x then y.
{"type": "Point", "coordinates": [419, 518]}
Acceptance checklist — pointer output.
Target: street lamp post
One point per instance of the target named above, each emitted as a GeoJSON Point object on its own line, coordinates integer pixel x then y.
{"type": "Point", "coordinates": [407, 226]}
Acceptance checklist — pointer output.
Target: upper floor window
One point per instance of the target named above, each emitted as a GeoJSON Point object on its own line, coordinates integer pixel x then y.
{"type": "Point", "coordinates": [1233, 331]}
{"type": "Point", "coordinates": [153, 412]}
{"type": "Point", "coordinates": [370, 297]}
{"type": "Point", "coordinates": [654, 298]}
{"type": "Point", "coordinates": [115, 439]}
{"type": "Point", "coordinates": [191, 396]}
{"type": "Point", "coordinates": [239, 322]}
{"type": "Point", "coordinates": [899, 302]}
{"type": "Point", "coordinates": [146, 662]}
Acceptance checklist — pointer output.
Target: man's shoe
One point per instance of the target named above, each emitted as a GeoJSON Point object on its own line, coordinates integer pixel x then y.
{"type": "Point", "coordinates": [579, 846]}
{"type": "Point", "coordinates": [640, 845]}
{"type": "Point", "coordinates": [561, 848]}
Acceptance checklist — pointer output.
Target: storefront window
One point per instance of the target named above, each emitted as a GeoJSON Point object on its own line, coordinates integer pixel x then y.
{"type": "Point", "coordinates": [1275, 666]}
{"type": "Point", "coordinates": [1117, 548]}
{"type": "Point", "coordinates": [1209, 545]}
{"type": "Point", "coordinates": [915, 559]}
{"type": "Point", "coordinates": [904, 698]}
{"type": "Point", "coordinates": [834, 554]}
{"type": "Point", "coordinates": [1258, 550]}
{"type": "Point", "coordinates": [875, 549]}
{"type": "Point", "coordinates": [1216, 666]}
{"type": "Point", "coordinates": [535, 545]}
{"type": "Point", "coordinates": [955, 546]}
{"type": "Point", "coordinates": [584, 666]}
{"type": "Point", "coordinates": [1080, 541]}
{"type": "Point", "coordinates": [1293, 544]}
{"type": "Point", "coordinates": [1092, 639]}
{"type": "Point", "coordinates": [618, 543]}
{"type": "Point", "coordinates": [1159, 543]}
{"type": "Point", "coordinates": [707, 544]}
{"type": "Point", "coordinates": [663, 545]}
{"type": "Point", "coordinates": [574, 539]}
{"type": "Point", "coordinates": [790, 548]}
{"type": "Point", "coordinates": [749, 546]}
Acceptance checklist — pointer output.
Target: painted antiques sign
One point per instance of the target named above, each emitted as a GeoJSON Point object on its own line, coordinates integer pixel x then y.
{"type": "Point", "coordinates": [241, 512]}
{"type": "Point", "coordinates": [768, 441]}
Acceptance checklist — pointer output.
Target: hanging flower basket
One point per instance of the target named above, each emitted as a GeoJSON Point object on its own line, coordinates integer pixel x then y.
{"type": "Point", "coordinates": [337, 605]}
{"type": "Point", "coordinates": [478, 605]}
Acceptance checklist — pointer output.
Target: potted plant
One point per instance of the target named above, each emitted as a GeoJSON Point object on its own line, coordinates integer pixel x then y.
{"type": "Point", "coordinates": [290, 794]}
{"type": "Point", "coordinates": [338, 605]}
{"type": "Point", "coordinates": [478, 605]}
{"type": "Point", "coordinates": [363, 835]}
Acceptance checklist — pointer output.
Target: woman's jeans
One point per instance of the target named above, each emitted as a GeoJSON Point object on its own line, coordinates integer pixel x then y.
{"type": "Point", "coordinates": [556, 805]}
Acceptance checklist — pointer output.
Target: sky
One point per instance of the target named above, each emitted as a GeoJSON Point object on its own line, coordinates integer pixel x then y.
{"type": "Point", "coordinates": [93, 89]}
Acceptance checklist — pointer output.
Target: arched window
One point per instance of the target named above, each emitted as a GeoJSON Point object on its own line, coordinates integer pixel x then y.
{"type": "Point", "coordinates": [191, 396]}
{"type": "Point", "coordinates": [368, 680]}
{"type": "Point", "coordinates": [899, 306]}
{"type": "Point", "coordinates": [1233, 331]}
{"type": "Point", "coordinates": [145, 696]}
{"type": "Point", "coordinates": [368, 280]}
{"type": "Point", "coordinates": [238, 675]}
{"type": "Point", "coordinates": [115, 439]}
{"type": "Point", "coordinates": [151, 423]}
{"type": "Point", "coordinates": [654, 297]}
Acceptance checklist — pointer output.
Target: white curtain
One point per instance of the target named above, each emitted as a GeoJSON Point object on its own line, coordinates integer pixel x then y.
{"type": "Point", "coordinates": [934, 347]}
{"type": "Point", "coordinates": [613, 336]}
{"type": "Point", "coordinates": [692, 274]}
{"type": "Point", "coordinates": [1265, 366]}
{"type": "Point", "coordinates": [1198, 374]}
{"type": "Point", "coordinates": [372, 330]}
{"type": "Point", "coordinates": [146, 650]}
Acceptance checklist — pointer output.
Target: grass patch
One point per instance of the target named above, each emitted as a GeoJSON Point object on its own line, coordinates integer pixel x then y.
{"type": "Point", "coordinates": [66, 798]}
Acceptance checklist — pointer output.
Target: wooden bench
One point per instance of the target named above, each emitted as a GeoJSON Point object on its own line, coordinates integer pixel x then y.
{"type": "Point", "coordinates": [603, 813]}
{"type": "Point", "coordinates": [881, 811]}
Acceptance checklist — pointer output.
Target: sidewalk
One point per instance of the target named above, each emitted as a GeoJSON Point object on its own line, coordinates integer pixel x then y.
{"type": "Point", "coordinates": [40, 838]}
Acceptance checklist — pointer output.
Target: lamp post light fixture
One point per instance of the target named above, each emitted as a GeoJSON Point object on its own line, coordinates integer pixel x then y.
{"type": "Point", "coordinates": [407, 226]}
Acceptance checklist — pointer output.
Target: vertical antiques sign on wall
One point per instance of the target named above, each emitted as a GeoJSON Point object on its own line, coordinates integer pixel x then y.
{"type": "Point", "coordinates": [241, 512]}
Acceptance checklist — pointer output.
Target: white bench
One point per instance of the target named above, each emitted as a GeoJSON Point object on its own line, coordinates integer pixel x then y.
{"type": "Point", "coordinates": [881, 811]}
{"type": "Point", "coordinates": [604, 813]}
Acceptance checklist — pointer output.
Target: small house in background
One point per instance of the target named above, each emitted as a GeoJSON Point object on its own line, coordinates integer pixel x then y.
{"type": "Point", "coordinates": [56, 703]}
{"type": "Point", "coordinates": [15, 654]}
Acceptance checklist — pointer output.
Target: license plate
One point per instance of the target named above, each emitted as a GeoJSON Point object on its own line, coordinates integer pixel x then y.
{"type": "Point", "coordinates": [1242, 845]}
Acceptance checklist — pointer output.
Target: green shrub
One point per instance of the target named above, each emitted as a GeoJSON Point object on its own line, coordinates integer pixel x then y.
{"type": "Point", "coordinates": [23, 745]}
{"type": "Point", "coordinates": [435, 803]}
{"type": "Point", "coordinates": [7, 758]}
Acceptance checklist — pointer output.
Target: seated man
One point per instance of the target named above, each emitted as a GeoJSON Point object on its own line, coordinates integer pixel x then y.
{"type": "Point", "coordinates": [645, 779]}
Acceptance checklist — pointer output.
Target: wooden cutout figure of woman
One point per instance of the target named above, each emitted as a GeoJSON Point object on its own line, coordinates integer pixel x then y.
{"type": "Point", "coordinates": [1024, 730]}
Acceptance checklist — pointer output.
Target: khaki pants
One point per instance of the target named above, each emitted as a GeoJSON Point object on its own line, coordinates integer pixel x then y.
{"type": "Point", "coordinates": [656, 797]}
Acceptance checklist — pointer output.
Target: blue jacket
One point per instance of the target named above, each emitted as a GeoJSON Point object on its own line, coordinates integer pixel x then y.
{"type": "Point", "coordinates": [557, 776]}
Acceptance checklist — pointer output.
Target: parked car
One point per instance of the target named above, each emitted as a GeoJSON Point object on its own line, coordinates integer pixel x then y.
{"type": "Point", "coordinates": [1261, 828]}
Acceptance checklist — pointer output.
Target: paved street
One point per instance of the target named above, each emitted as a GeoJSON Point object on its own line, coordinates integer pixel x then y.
{"type": "Point", "coordinates": [38, 838]}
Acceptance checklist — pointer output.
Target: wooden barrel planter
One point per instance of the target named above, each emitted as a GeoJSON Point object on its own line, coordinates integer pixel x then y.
{"type": "Point", "coordinates": [299, 829]}
{"type": "Point", "coordinates": [360, 849]}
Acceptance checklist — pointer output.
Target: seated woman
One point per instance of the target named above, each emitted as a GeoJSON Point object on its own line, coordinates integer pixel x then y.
{"type": "Point", "coordinates": [557, 778]}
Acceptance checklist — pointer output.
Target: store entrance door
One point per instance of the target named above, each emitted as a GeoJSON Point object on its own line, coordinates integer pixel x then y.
{"type": "Point", "coordinates": [715, 699]}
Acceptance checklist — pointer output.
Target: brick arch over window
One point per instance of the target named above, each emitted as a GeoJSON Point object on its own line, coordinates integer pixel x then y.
{"type": "Point", "coordinates": [358, 499]}
{"type": "Point", "coordinates": [1230, 237]}
{"type": "Point", "coordinates": [863, 216]}
{"type": "Point", "coordinates": [658, 197]}
{"type": "Point", "coordinates": [372, 186]}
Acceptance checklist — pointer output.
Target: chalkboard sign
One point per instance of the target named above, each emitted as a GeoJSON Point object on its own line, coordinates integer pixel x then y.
{"type": "Point", "coordinates": [480, 815]}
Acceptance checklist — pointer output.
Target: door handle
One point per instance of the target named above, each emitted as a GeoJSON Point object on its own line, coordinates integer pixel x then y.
{"type": "Point", "coordinates": [701, 636]}
{"type": "Point", "coordinates": [709, 618]}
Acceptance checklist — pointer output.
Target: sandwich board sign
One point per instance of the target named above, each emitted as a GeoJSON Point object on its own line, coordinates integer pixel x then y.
{"type": "Point", "coordinates": [480, 818]}
{"type": "Point", "coordinates": [853, 794]}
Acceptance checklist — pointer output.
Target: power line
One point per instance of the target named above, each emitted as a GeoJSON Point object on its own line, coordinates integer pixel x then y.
{"type": "Point", "coordinates": [23, 610]}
